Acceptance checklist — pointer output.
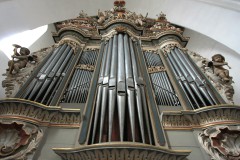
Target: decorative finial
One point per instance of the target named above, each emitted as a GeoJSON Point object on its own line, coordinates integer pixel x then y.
{"type": "Point", "coordinates": [119, 6]}
{"type": "Point", "coordinates": [161, 17]}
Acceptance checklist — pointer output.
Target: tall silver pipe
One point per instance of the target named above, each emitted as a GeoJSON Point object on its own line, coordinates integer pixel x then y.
{"type": "Point", "coordinates": [188, 77]}
{"type": "Point", "coordinates": [183, 82]}
{"type": "Point", "coordinates": [99, 93]}
{"type": "Point", "coordinates": [121, 90]}
{"type": "Point", "coordinates": [50, 71]}
{"type": "Point", "coordinates": [196, 76]}
{"type": "Point", "coordinates": [105, 88]}
{"type": "Point", "coordinates": [139, 88]}
{"type": "Point", "coordinates": [129, 85]}
{"type": "Point", "coordinates": [112, 86]}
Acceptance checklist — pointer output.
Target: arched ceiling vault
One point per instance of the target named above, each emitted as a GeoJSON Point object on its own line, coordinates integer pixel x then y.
{"type": "Point", "coordinates": [218, 20]}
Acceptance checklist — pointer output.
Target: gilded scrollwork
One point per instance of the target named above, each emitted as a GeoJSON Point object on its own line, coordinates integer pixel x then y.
{"type": "Point", "coordinates": [154, 69]}
{"type": "Point", "coordinates": [75, 45]}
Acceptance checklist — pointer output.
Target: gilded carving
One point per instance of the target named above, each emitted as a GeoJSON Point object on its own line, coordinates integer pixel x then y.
{"type": "Point", "coordinates": [71, 42]}
{"type": "Point", "coordinates": [166, 48]}
{"type": "Point", "coordinates": [18, 139]}
{"type": "Point", "coordinates": [154, 69]}
{"type": "Point", "coordinates": [87, 67]}
{"type": "Point", "coordinates": [221, 142]}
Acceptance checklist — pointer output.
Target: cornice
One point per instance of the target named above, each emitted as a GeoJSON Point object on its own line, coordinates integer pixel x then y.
{"type": "Point", "coordinates": [123, 151]}
{"type": "Point", "coordinates": [39, 114]}
{"type": "Point", "coordinates": [202, 118]}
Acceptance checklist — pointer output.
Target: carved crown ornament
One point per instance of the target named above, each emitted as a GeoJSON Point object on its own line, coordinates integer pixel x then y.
{"type": "Point", "coordinates": [91, 26]}
{"type": "Point", "coordinates": [221, 142]}
{"type": "Point", "coordinates": [39, 114]}
{"type": "Point", "coordinates": [120, 151]}
{"type": "Point", "coordinates": [201, 118]}
{"type": "Point", "coordinates": [18, 139]}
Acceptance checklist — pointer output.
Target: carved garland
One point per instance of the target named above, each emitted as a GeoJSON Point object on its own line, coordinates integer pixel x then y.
{"type": "Point", "coordinates": [221, 142]}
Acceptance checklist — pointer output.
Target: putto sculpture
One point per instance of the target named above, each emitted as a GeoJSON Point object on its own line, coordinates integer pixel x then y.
{"type": "Point", "coordinates": [19, 59]}
{"type": "Point", "coordinates": [217, 63]}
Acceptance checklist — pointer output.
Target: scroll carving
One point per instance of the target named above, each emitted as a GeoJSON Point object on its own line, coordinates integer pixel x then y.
{"type": "Point", "coordinates": [18, 140]}
{"type": "Point", "coordinates": [155, 69]}
{"type": "Point", "coordinates": [168, 47]}
{"type": "Point", "coordinates": [222, 142]}
{"type": "Point", "coordinates": [74, 45]}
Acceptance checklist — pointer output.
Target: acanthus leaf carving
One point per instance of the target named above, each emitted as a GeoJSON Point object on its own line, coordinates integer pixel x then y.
{"type": "Point", "coordinates": [18, 139]}
{"type": "Point", "coordinates": [221, 142]}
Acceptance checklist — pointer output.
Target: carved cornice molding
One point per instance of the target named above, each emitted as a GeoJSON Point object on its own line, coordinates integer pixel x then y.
{"type": "Point", "coordinates": [39, 114]}
{"type": "Point", "coordinates": [221, 142]}
{"type": "Point", "coordinates": [123, 151]}
{"type": "Point", "coordinates": [201, 118]}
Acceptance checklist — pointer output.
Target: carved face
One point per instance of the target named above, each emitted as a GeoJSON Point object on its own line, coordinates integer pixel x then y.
{"type": "Point", "coordinates": [218, 58]}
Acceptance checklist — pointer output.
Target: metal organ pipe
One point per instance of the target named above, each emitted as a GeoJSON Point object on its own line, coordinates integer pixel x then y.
{"type": "Point", "coordinates": [50, 76]}
{"type": "Point", "coordinates": [121, 92]}
{"type": "Point", "coordinates": [193, 85]}
{"type": "Point", "coordinates": [77, 90]}
{"type": "Point", "coordinates": [164, 93]}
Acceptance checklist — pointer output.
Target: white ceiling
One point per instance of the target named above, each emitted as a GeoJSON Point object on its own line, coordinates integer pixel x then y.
{"type": "Point", "coordinates": [218, 19]}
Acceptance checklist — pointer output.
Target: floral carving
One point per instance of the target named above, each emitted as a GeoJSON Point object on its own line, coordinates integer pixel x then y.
{"type": "Point", "coordinates": [17, 139]}
{"type": "Point", "coordinates": [222, 142]}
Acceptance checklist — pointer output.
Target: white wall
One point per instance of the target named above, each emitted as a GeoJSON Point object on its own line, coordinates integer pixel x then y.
{"type": "Point", "coordinates": [45, 40]}
{"type": "Point", "coordinates": [207, 47]}
{"type": "Point", "coordinates": [219, 19]}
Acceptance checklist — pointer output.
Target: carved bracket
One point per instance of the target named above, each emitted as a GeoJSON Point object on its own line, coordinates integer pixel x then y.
{"type": "Point", "coordinates": [206, 116]}
{"type": "Point", "coordinates": [39, 114]}
{"type": "Point", "coordinates": [221, 142]}
{"type": "Point", "coordinates": [18, 139]}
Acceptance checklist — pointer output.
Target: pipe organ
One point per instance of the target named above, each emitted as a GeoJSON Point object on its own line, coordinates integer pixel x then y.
{"type": "Point", "coordinates": [121, 112]}
{"type": "Point", "coordinates": [192, 83]}
{"type": "Point", "coordinates": [164, 92]}
{"type": "Point", "coordinates": [124, 81]}
{"type": "Point", "coordinates": [44, 86]}
{"type": "Point", "coordinates": [77, 89]}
